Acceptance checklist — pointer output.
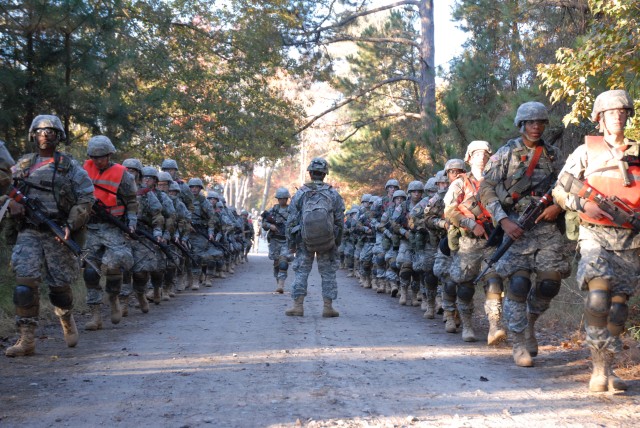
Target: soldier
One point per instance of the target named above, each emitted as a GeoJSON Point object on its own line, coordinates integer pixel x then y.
{"type": "Point", "coordinates": [384, 246]}
{"type": "Point", "coordinates": [274, 222]}
{"type": "Point", "coordinates": [409, 279]}
{"type": "Point", "coordinates": [181, 229]}
{"type": "Point", "coordinates": [390, 257]}
{"type": "Point", "coordinates": [147, 259]}
{"type": "Point", "coordinates": [183, 218]}
{"type": "Point", "coordinates": [107, 245]}
{"type": "Point", "coordinates": [171, 166]}
{"type": "Point", "coordinates": [6, 162]}
{"type": "Point", "coordinates": [363, 251]}
{"type": "Point", "coordinates": [247, 234]}
{"type": "Point", "coordinates": [66, 194]}
{"type": "Point", "coordinates": [441, 264]}
{"type": "Point", "coordinates": [464, 211]}
{"type": "Point", "coordinates": [604, 167]}
{"type": "Point", "coordinates": [314, 227]}
{"type": "Point", "coordinates": [519, 173]}
{"type": "Point", "coordinates": [203, 222]}
{"type": "Point", "coordinates": [349, 239]}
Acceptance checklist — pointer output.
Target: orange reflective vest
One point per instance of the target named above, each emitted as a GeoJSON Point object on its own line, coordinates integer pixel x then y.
{"type": "Point", "coordinates": [106, 185]}
{"type": "Point", "coordinates": [468, 202]}
{"type": "Point", "coordinates": [604, 175]}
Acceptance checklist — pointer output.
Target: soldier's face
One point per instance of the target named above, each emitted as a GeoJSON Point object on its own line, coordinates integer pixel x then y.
{"type": "Point", "coordinates": [283, 201]}
{"type": "Point", "coordinates": [195, 190]}
{"type": "Point", "coordinates": [614, 121]}
{"type": "Point", "coordinates": [416, 195]}
{"type": "Point", "coordinates": [392, 189]}
{"type": "Point", "coordinates": [149, 181]}
{"type": "Point", "coordinates": [101, 162]}
{"type": "Point", "coordinates": [172, 172]}
{"type": "Point", "coordinates": [46, 138]}
{"type": "Point", "coordinates": [533, 129]}
{"type": "Point", "coordinates": [163, 186]}
{"type": "Point", "coordinates": [479, 158]}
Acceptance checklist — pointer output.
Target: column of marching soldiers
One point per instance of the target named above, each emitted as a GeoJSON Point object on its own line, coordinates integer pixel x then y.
{"type": "Point", "coordinates": [497, 224]}
{"type": "Point", "coordinates": [143, 233]}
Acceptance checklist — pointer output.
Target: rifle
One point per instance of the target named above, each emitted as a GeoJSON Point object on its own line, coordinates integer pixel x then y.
{"type": "Point", "coordinates": [36, 214]}
{"type": "Point", "coordinates": [266, 215]}
{"type": "Point", "coordinates": [623, 215]}
{"type": "Point", "coordinates": [140, 231]}
{"type": "Point", "coordinates": [215, 243]}
{"type": "Point", "coordinates": [184, 250]}
{"type": "Point", "coordinates": [526, 222]}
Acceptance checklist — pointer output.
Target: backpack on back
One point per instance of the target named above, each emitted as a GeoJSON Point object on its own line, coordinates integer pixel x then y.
{"type": "Point", "coordinates": [317, 219]}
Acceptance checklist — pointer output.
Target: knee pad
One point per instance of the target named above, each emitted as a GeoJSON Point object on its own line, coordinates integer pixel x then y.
{"type": "Point", "coordinates": [156, 278]}
{"type": "Point", "coordinates": [450, 288]}
{"type": "Point", "coordinates": [380, 260]}
{"type": "Point", "coordinates": [283, 265]}
{"type": "Point", "coordinates": [430, 279]}
{"type": "Point", "coordinates": [219, 264]}
{"type": "Point", "coordinates": [618, 314]}
{"type": "Point", "coordinates": [91, 277]}
{"type": "Point", "coordinates": [597, 308]}
{"type": "Point", "coordinates": [113, 284]}
{"type": "Point", "coordinates": [405, 275]}
{"type": "Point", "coordinates": [25, 296]}
{"type": "Point", "coordinates": [126, 277]}
{"type": "Point", "coordinates": [519, 287]}
{"type": "Point", "coordinates": [393, 265]}
{"type": "Point", "coordinates": [466, 291]}
{"type": "Point", "coordinates": [494, 285]}
{"type": "Point", "coordinates": [140, 281]}
{"type": "Point", "coordinates": [548, 289]}
{"type": "Point", "coordinates": [61, 297]}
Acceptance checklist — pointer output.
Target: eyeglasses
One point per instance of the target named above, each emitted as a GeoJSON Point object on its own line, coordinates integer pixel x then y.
{"type": "Point", "coordinates": [538, 122]}
{"type": "Point", "coordinates": [46, 131]}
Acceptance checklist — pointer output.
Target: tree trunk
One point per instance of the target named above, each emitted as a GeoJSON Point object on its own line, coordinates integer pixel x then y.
{"type": "Point", "coordinates": [267, 188]}
{"type": "Point", "coordinates": [427, 83]}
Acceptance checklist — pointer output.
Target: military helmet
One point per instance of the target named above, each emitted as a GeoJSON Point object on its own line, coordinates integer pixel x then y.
{"type": "Point", "coordinates": [218, 188]}
{"type": "Point", "coordinates": [233, 209]}
{"type": "Point", "coordinates": [319, 165]}
{"type": "Point", "coordinates": [365, 198]}
{"type": "Point", "coordinates": [441, 177]}
{"type": "Point", "coordinates": [169, 164]}
{"type": "Point", "coordinates": [399, 193]}
{"type": "Point", "coordinates": [47, 121]}
{"type": "Point", "coordinates": [415, 185]}
{"type": "Point", "coordinates": [149, 171]}
{"type": "Point", "coordinates": [164, 176]}
{"type": "Point", "coordinates": [354, 209]}
{"type": "Point", "coordinates": [174, 187]}
{"type": "Point", "coordinates": [532, 110]}
{"type": "Point", "coordinates": [282, 192]}
{"type": "Point", "coordinates": [244, 212]}
{"type": "Point", "coordinates": [430, 185]}
{"type": "Point", "coordinates": [195, 182]}
{"type": "Point", "coordinates": [474, 146]}
{"type": "Point", "coordinates": [99, 146]}
{"type": "Point", "coordinates": [454, 164]}
{"type": "Point", "coordinates": [392, 182]}
{"type": "Point", "coordinates": [609, 100]}
{"type": "Point", "coordinates": [133, 164]}
{"type": "Point", "coordinates": [213, 194]}
{"type": "Point", "coordinates": [219, 204]}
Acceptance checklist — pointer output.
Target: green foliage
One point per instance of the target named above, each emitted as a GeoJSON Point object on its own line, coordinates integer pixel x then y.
{"type": "Point", "coordinates": [606, 57]}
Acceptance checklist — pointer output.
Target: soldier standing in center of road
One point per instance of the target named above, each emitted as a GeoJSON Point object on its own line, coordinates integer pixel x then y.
{"type": "Point", "coordinates": [274, 222]}
{"type": "Point", "coordinates": [65, 192]}
{"type": "Point", "coordinates": [115, 192]}
{"type": "Point", "coordinates": [520, 172]}
{"type": "Point", "coordinates": [314, 227]}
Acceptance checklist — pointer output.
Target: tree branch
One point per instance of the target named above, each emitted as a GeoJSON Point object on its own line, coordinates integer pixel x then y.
{"type": "Point", "coordinates": [347, 38]}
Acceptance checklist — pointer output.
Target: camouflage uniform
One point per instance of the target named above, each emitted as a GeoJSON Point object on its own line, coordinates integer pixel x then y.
{"type": "Point", "coordinates": [66, 193]}
{"type": "Point", "coordinates": [203, 221]}
{"type": "Point", "coordinates": [609, 267]}
{"type": "Point", "coordinates": [348, 239]}
{"type": "Point", "coordinates": [6, 162]}
{"type": "Point", "coordinates": [181, 234]}
{"type": "Point", "coordinates": [437, 261]}
{"type": "Point", "coordinates": [278, 248]}
{"type": "Point", "coordinates": [366, 232]}
{"type": "Point", "coordinates": [327, 261]}
{"type": "Point", "coordinates": [409, 278]}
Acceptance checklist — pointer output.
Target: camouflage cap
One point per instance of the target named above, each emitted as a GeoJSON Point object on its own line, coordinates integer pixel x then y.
{"type": "Point", "coordinates": [365, 198]}
{"type": "Point", "coordinates": [133, 164]}
{"type": "Point", "coordinates": [169, 164]}
{"type": "Point", "coordinates": [454, 164]}
{"type": "Point", "coordinates": [392, 182]}
{"type": "Point", "coordinates": [474, 146]}
{"type": "Point", "coordinates": [399, 193]}
{"type": "Point", "coordinates": [195, 182]}
{"type": "Point", "coordinates": [100, 145]}
{"type": "Point", "coordinates": [532, 110]}
{"type": "Point", "coordinates": [415, 185]}
{"type": "Point", "coordinates": [282, 192]}
{"type": "Point", "coordinates": [165, 176]}
{"type": "Point", "coordinates": [149, 171]}
{"type": "Point", "coordinates": [48, 121]}
{"type": "Point", "coordinates": [319, 165]}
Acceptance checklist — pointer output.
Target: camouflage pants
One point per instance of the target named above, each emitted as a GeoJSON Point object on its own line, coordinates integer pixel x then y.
{"type": "Point", "coordinates": [467, 262]}
{"type": "Point", "coordinates": [540, 250]}
{"type": "Point", "coordinates": [392, 268]}
{"type": "Point", "coordinates": [621, 269]}
{"type": "Point", "coordinates": [366, 258]}
{"type": "Point", "coordinates": [36, 252]}
{"type": "Point", "coordinates": [204, 251]}
{"type": "Point", "coordinates": [327, 266]}
{"type": "Point", "coordinates": [279, 253]}
{"type": "Point", "coordinates": [109, 249]}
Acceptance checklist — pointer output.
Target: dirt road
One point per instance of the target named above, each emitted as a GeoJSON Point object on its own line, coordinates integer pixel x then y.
{"type": "Point", "coordinates": [228, 356]}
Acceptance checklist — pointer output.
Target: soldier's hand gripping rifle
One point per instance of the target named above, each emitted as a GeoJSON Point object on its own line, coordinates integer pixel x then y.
{"type": "Point", "coordinates": [184, 250]}
{"type": "Point", "coordinates": [144, 233]}
{"type": "Point", "coordinates": [36, 214]}
{"type": "Point", "coordinates": [215, 243]}
{"type": "Point", "coordinates": [526, 222]}
{"type": "Point", "coordinates": [266, 215]}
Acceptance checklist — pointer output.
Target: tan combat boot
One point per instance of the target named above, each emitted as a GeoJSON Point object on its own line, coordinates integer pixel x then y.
{"type": "Point", "coordinates": [430, 302]}
{"type": "Point", "coordinates": [124, 305]}
{"type": "Point", "coordinates": [415, 298]}
{"type": "Point", "coordinates": [95, 323]}
{"type": "Point", "coordinates": [297, 310]}
{"type": "Point", "coordinates": [599, 381]}
{"type": "Point", "coordinates": [157, 295]}
{"type": "Point", "coordinates": [327, 309]}
{"type": "Point", "coordinates": [69, 328]}
{"type": "Point", "coordinates": [26, 344]}
{"type": "Point", "coordinates": [403, 295]}
{"type": "Point", "coordinates": [116, 310]}
{"type": "Point", "coordinates": [450, 322]}
{"type": "Point", "coordinates": [468, 335]}
{"type": "Point", "coordinates": [521, 356]}
{"type": "Point", "coordinates": [193, 284]}
{"type": "Point", "coordinates": [497, 333]}
{"type": "Point", "coordinates": [208, 280]}
{"type": "Point", "coordinates": [280, 286]}
{"type": "Point", "coordinates": [381, 285]}
{"type": "Point", "coordinates": [142, 300]}
{"type": "Point", "coordinates": [530, 335]}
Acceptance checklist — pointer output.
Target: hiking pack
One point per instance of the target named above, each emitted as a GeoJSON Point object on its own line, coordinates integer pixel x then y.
{"type": "Point", "coordinates": [317, 219]}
